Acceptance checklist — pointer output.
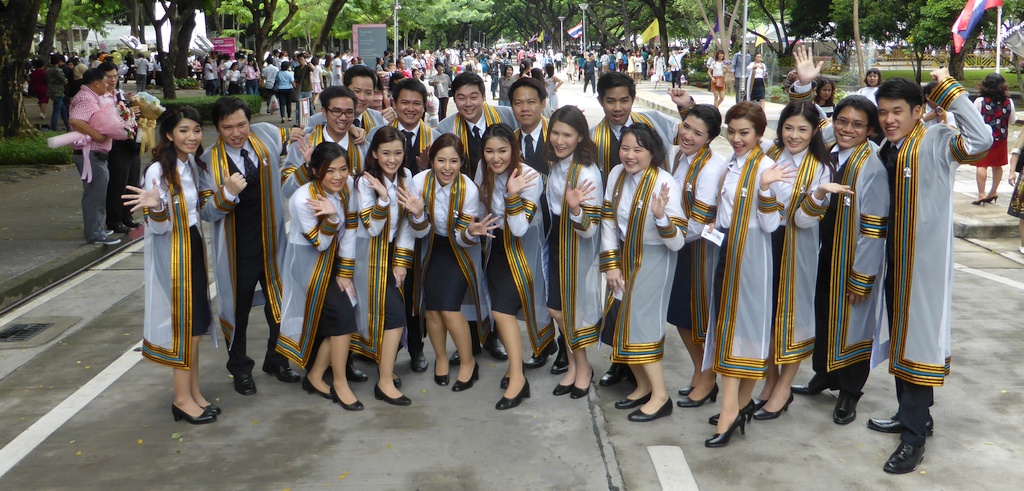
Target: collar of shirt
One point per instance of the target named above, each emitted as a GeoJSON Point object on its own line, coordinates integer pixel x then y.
{"type": "Point", "coordinates": [737, 161]}
{"type": "Point", "coordinates": [563, 164]}
{"type": "Point", "coordinates": [343, 142]}
{"type": "Point", "coordinates": [844, 155]}
{"type": "Point", "coordinates": [791, 159]}
{"type": "Point", "coordinates": [415, 130]}
{"type": "Point", "coordinates": [617, 130]}
{"type": "Point", "coordinates": [536, 134]}
{"type": "Point", "coordinates": [481, 123]}
{"type": "Point", "coordinates": [236, 154]}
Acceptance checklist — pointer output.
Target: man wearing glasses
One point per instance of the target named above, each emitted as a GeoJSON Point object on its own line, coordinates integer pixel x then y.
{"type": "Point", "coordinates": [362, 81]}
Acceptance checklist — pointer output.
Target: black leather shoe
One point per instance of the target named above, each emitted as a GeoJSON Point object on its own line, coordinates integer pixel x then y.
{"type": "Point", "coordinates": [578, 393]}
{"type": "Point", "coordinates": [496, 348]}
{"type": "Point", "coordinates": [119, 228]}
{"type": "Point", "coordinates": [202, 419]}
{"type": "Point", "coordinates": [747, 412]}
{"type": "Point", "coordinates": [627, 403]}
{"type": "Point", "coordinates": [245, 385]}
{"type": "Point", "coordinates": [455, 360]}
{"type": "Point", "coordinates": [762, 415]}
{"type": "Point", "coordinates": [722, 439]}
{"type": "Point", "coordinates": [758, 403]}
{"type": "Point", "coordinates": [614, 375]}
{"type": "Point", "coordinates": [817, 384]}
{"type": "Point", "coordinates": [561, 390]}
{"type": "Point", "coordinates": [212, 409]}
{"type": "Point", "coordinates": [460, 386]}
{"type": "Point", "coordinates": [506, 403]}
{"type": "Point", "coordinates": [541, 359]}
{"type": "Point", "coordinates": [308, 387]}
{"type": "Point", "coordinates": [504, 382]}
{"type": "Point", "coordinates": [685, 391]}
{"type": "Point", "coordinates": [284, 373]}
{"type": "Point", "coordinates": [441, 380]}
{"type": "Point", "coordinates": [894, 425]}
{"type": "Point", "coordinates": [905, 459]}
{"type": "Point", "coordinates": [639, 416]}
{"type": "Point", "coordinates": [355, 406]}
{"type": "Point", "coordinates": [131, 223]}
{"type": "Point", "coordinates": [418, 362]}
{"type": "Point", "coordinates": [398, 401]}
{"type": "Point", "coordinates": [687, 402]}
{"type": "Point", "coordinates": [845, 411]}
{"type": "Point", "coordinates": [354, 374]}
{"type": "Point", "coordinates": [561, 363]}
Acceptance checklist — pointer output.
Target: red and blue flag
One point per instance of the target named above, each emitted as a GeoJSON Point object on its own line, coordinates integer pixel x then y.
{"type": "Point", "coordinates": [969, 19]}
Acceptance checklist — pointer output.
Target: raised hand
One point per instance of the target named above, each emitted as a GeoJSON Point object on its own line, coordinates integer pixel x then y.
{"type": "Point", "coordinates": [483, 227]}
{"type": "Point", "coordinates": [680, 97]}
{"type": "Point", "coordinates": [305, 149]}
{"type": "Point", "coordinates": [389, 114]}
{"type": "Point", "coordinates": [659, 202]}
{"type": "Point", "coordinates": [831, 188]}
{"type": "Point", "coordinates": [575, 196]}
{"type": "Point", "coordinates": [235, 183]}
{"type": "Point", "coordinates": [806, 70]}
{"type": "Point", "coordinates": [518, 182]}
{"type": "Point", "coordinates": [939, 74]}
{"type": "Point", "coordinates": [357, 134]}
{"type": "Point", "coordinates": [382, 191]}
{"type": "Point", "coordinates": [139, 198]}
{"type": "Point", "coordinates": [321, 206]}
{"type": "Point", "coordinates": [775, 174]}
{"type": "Point", "coordinates": [296, 135]}
{"type": "Point", "coordinates": [411, 201]}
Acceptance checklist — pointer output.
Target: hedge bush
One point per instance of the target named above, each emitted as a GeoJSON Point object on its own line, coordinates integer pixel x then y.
{"type": "Point", "coordinates": [186, 83]}
{"type": "Point", "coordinates": [33, 151]}
{"type": "Point", "coordinates": [204, 104]}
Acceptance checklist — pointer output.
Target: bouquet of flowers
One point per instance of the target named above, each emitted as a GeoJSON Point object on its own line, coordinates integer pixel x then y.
{"type": "Point", "coordinates": [150, 110]}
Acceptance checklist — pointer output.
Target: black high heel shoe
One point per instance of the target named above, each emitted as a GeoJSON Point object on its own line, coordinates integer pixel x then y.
{"type": "Point", "coordinates": [460, 386]}
{"type": "Point", "coordinates": [561, 390]}
{"type": "Point", "coordinates": [640, 416]}
{"type": "Point", "coordinates": [722, 439]}
{"type": "Point", "coordinates": [991, 199]}
{"type": "Point", "coordinates": [397, 401]}
{"type": "Point", "coordinates": [578, 393]}
{"type": "Point", "coordinates": [202, 419]}
{"type": "Point", "coordinates": [441, 380]}
{"type": "Point", "coordinates": [762, 415]}
{"type": "Point", "coordinates": [687, 402]}
{"type": "Point", "coordinates": [506, 403]}
{"type": "Point", "coordinates": [685, 391]}
{"type": "Point", "coordinates": [355, 406]}
{"type": "Point", "coordinates": [212, 409]}
{"type": "Point", "coordinates": [308, 387]}
{"type": "Point", "coordinates": [627, 403]}
{"type": "Point", "coordinates": [747, 411]}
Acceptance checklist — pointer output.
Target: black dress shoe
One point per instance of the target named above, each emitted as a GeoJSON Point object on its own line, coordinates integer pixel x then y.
{"type": "Point", "coordinates": [747, 412]}
{"type": "Point", "coordinates": [905, 459]}
{"type": "Point", "coordinates": [202, 419]}
{"type": "Point", "coordinates": [506, 403]}
{"type": "Point", "coordinates": [454, 360]}
{"type": "Point", "coordinates": [894, 425]}
{"type": "Point", "coordinates": [758, 403]}
{"type": "Point", "coordinates": [128, 222]}
{"type": "Point", "coordinates": [308, 387]}
{"type": "Point", "coordinates": [687, 402]}
{"type": "Point", "coordinates": [504, 382]}
{"type": "Point", "coordinates": [283, 373]}
{"type": "Point", "coordinates": [685, 391]}
{"type": "Point", "coordinates": [627, 403]}
{"type": "Point", "coordinates": [212, 409]}
{"type": "Point", "coordinates": [722, 439]}
{"type": "Point", "coordinates": [561, 363]}
{"type": "Point", "coordinates": [496, 348]}
{"type": "Point", "coordinates": [639, 416]}
{"type": "Point", "coordinates": [353, 374]}
{"type": "Point", "coordinates": [763, 415]}
{"type": "Point", "coordinates": [245, 385]}
{"type": "Point", "coordinates": [397, 401]}
{"type": "Point", "coordinates": [615, 374]}
{"type": "Point", "coordinates": [441, 380]}
{"type": "Point", "coordinates": [119, 228]}
{"type": "Point", "coordinates": [845, 411]}
{"type": "Point", "coordinates": [355, 406]}
{"type": "Point", "coordinates": [460, 386]}
{"type": "Point", "coordinates": [561, 390]}
{"type": "Point", "coordinates": [817, 384]}
{"type": "Point", "coordinates": [541, 359]}
{"type": "Point", "coordinates": [418, 362]}
{"type": "Point", "coordinates": [578, 393]}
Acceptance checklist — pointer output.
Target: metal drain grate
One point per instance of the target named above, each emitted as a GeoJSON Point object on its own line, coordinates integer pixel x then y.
{"type": "Point", "coordinates": [22, 332]}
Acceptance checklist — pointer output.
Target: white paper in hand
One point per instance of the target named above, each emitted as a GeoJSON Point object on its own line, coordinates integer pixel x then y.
{"type": "Point", "coordinates": [713, 235]}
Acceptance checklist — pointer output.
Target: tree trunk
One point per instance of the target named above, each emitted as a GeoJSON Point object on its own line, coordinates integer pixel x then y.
{"type": "Point", "coordinates": [956, 64]}
{"type": "Point", "coordinates": [46, 45]}
{"type": "Point", "coordinates": [325, 31]}
{"type": "Point", "coordinates": [15, 50]}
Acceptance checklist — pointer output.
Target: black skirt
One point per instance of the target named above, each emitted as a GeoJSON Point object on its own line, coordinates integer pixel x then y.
{"type": "Point", "coordinates": [444, 285]}
{"type": "Point", "coordinates": [757, 89]}
{"type": "Point", "coordinates": [723, 252]}
{"type": "Point", "coordinates": [338, 315]}
{"type": "Point", "coordinates": [202, 315]}
{"type": "Point", "coordinates": [554, 267]}
{"type": "Point", "coordinates": [394, 304]}
{"type": "Point", "coordinates": [679, 313]}
{"type": "Point", "coordinates": [778, 242]}
{"type": "Point", "coordinates": [500, 283]}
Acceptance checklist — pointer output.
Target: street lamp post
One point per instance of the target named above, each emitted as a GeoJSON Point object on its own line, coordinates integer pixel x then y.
{"type": "Point", "coordinates": [397, 8]}
{"type": "Point", "coordinates": [561, 32]}
{"type": "Point", "coordinates": [584, 7]}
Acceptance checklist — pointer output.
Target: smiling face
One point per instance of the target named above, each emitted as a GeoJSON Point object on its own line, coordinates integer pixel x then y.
{"type": "Point", "coordinates": [339, 113]}
{"type": "Point", "coordinates": [693, 135]}
{"type": "Point", "coordinates": [634, 157]}
{"type": "Point", "coordinates": [617, 104]}
{"type": "Point", "coordinates": [234, 129]}
{"type": "Point", "coordinates": [497, 155]}
{"type": "Point", "coordinates": [409, 106]}
{"type": "Point", "coordinates": [742, 135]}
{"type": "Point", "coordinates": [796, 134]}
{"type": "Point", "coordinates": [897, 118]}
{"type": "Point", "coordinates": [564, 139]}
{"type": "Point", "coordinates": [362, 87]}
{"type": "Point", "coordinates": [470, 102]}
{"type": "Point", "coordinates": [186, 136]}
{"type": "Point", "coordinates": [527, 107]}
{"type": "Point", "coordinates": [390, 156]}
{"type": "Point", "coordinates": [446, 165]}
{"type": "Point", "coordinates": [336, 176]}
{"type": "Point", "coordinates": [851, 128]}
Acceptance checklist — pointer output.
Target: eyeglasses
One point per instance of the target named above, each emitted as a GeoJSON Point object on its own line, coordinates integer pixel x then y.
{"type": "Point", "coordinates": [846, 123]}
{"type": "Point", "coordinates": [339, 112]}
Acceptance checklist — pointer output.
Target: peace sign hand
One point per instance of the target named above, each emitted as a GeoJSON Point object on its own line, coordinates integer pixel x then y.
{"type": "Point", "coordinates": [517, 182]}
{"type": "Point", "coordinates": [140, 198]}
{"type": "Point", "coordinates": [659, 202]}
{"type": "Point", "coordinates": [806, 70]}
{"type": "Point", "coordinates": [411, 201]}
{"type": "Point", "coordinates": [576, 196]}
{"type": "Point", "coordinates": [382, 191]}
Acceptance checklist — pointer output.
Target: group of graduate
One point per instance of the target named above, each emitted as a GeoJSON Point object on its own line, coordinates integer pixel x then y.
{"type": "Point", "coordinates": [799, 246]}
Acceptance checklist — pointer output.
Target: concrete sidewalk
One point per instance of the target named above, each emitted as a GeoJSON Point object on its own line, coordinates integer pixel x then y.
{"type": "Point", "coordinates": [969, 221]}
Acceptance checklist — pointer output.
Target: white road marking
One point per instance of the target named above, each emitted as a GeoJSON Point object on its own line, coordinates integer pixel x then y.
{"type": "Point", "coordinates": [673, 471]}
{"type": "Point", "coordinates": [29, 439]}
{"type": "Point", "coordinates": [989, 276]}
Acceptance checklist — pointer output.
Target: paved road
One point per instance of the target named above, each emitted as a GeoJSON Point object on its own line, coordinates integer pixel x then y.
{"type": "Point", "coordinates": [80, 411]}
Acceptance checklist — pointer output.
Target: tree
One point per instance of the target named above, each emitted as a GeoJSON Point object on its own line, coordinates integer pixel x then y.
{"type": "Point", "coordinates": [722, 36]}
{"type": "Point", "coordinates": [325, 31]}
{"type": "Point", "coordinates": [181, 18]}
{"type": "Point", "coordinates": [52, 12]}
{"type": "Point", "coordinates": [15, 48]}
{"type": "Point", "coordinates": [263, 19]}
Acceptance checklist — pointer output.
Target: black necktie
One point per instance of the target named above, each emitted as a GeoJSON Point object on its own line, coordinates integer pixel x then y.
{"type": "Point", "coordinates": [408, 139]}
{"type": "Point", "coordinates": [358, 122]}
{"type": "Point", "coordinates": [616, 143]}
{"type": "Point", "coordinates": [530, 150]}
{"type": "Point", "coordinates": [834, 157]}
{"type": "Point", "coordinates": [474, 151]}
{"type": "Point", "coordinates": [250, 166]}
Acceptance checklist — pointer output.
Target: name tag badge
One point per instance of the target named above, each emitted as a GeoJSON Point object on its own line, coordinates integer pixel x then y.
{"type": "Point", "coordinates": [846, 201]}
{"type": "Point", "coordinates": [906, 172]}
{"type": "Point", "coordinates": [689, 187]}
{"type": "Point", "coordinates": [743, 193]}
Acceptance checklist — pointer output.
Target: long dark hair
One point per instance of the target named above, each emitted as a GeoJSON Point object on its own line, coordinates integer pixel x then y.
{"type": "Point", "coordinates": [994, 87]}
{"type": "Point", "coordinates": [444, 141]}
{"type": "Point", "coordinates": [323, 155]}
{"type": "Point", "coordinates": [809, 111]}
{"type": "Point", "coordinates": [586, 151]}
{"type": "Point", "coordinates": [649, 140]}
{"type": "Point", "coordinates": [165, 155]}
{"type": "Point", "coordinates": [500, 131]}
{"type": "Point", "coordinates": [386, 134]}
{"type": "Point", "coordinates": [818, 85]}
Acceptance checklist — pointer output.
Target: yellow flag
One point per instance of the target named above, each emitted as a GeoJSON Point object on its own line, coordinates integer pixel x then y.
{"type": "Point", "coordinates": [541, 38]}
{"type": "Point", "coordinates": [760, 30]}
{"type": "Point", "coordinates": [650, 33]}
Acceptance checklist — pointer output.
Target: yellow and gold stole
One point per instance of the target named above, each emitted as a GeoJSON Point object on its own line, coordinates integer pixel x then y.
{"type": "Point", "coordinates": [568, 260]}
{"type": "Point", "coordinates": [603, 139]}
{"type": "Point", "coordinates": [703, 213]}
{"type": "Point", "coordinates": [424, 135]}
{"type": "Point", "coordinates": [522, 274]}
{"type": "Point", "coordinates": [491, 116]}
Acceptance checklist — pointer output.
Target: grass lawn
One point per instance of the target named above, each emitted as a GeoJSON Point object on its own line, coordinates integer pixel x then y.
{"type": "Point", "coordinates": [973, 77]}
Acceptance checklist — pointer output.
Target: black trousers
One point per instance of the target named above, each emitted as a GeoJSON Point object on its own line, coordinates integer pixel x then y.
{"type": "Point", "coordinates": [249, 272]}
{"type": "Point", "coordinates": [914, 412]}
{"type": "Point", "coordinates": [124, 166]}
{"type": "Point", "coordinates": [442, 108]}
{"type": "Point", "coordinates": [414, 337]}
{"type": "Point", "coordinates": [589, 80]}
